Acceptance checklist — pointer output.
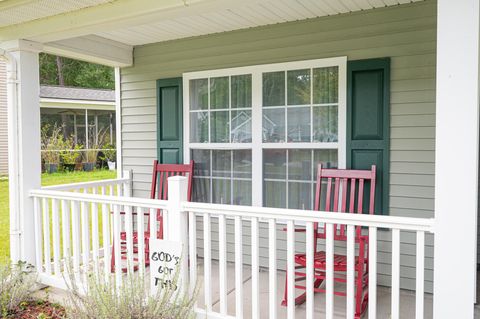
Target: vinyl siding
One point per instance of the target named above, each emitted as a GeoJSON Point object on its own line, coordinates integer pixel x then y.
{"type": "Point", "coordinates": [405, 33]}
{"type": "Point", "coordinates": [3, 119]}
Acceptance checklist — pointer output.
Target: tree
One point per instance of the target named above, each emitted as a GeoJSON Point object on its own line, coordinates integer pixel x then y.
{"type": "Point", "coordinates": [55, 70]}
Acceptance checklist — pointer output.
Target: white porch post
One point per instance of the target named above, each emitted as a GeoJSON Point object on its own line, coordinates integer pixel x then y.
{"type": "Point", "coordinates": [456, 157]}
{"type": "Point", "coordinates": [176, 222]}
{"type": "Point", "coordinates": [23, 144]}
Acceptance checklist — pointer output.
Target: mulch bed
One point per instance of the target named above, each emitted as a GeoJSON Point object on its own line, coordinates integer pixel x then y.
{"type": "Point", "coordinates": [38, 309]}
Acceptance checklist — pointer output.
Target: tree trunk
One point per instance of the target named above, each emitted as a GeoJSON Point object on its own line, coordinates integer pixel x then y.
{"type": "Point", "coordinates": [61, 80]}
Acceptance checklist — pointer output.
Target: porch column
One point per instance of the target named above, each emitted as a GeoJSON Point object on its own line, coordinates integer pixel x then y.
{"type": "Point", "coordinates": [456, 158]}
{"type": "Point", "coordinates": [23, 143]}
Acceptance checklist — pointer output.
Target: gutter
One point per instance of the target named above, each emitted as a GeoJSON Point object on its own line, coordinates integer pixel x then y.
{"type": "Point", "coordinates": [13, 133]}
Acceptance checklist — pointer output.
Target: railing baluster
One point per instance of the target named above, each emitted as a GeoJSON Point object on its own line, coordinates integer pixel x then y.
{"type": "Point", "coordinates": [310, 279]}
{"type": "Point", "coordinates": [37, 215]}
{"type": "Point", "coordinates": [85, 238]}
{"type": "Point", "coordinates": [272, 272]}
{"type": "Point", "coordinates": [129, 233]}
{"type": "Point", "coordinates": [419, 291]}
{"type": "Point", "coordinates": [238, 267]}
{"type": "Point", "coordinates": [192, 249]}
{"type": "Point", "coordinates": [76, 239]}
{"type": "Point", "coordinates": [107, 249]}
{"type": "Point", "coordinates": [372, 272]}
{"type": "Point", "coordinates": [329, 271]}
{"type": "Point", "coordinates": [207, 261]}
{"type": "Point", "coordinates": [350, 271]}
{"type": "Point", "coordinates": [95, 233]}
{"type": "Point", "coordinates": [56, 237]}
{"type": "Point", "coordinates": [153, 222]}
{"type": "Point", "coordinates": [67, 253]}
{"type": "Point", "coordinates": [141, 240]}
{"type": "Point", "coordinates": [395, 273]}
{"type": "Point", "coordinates": [290, 270]}
{"type": "Point", "coordinates": [117, 245]}
{"type": "Point", "coordinates": [255, 270]}
{"type": "Point", "coordinates": [222, 241]}
{"type": "Point", "coordinates": [46, 237]}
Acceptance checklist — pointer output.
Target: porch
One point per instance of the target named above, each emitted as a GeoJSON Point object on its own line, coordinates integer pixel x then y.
{"type": "Point", "coordinates": [431, 164]}
{"type": "Point", "coordinates": [74, 223]}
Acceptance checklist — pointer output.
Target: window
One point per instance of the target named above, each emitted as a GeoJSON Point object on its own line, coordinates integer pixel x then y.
{"type": "Point", "coordinates": [256, 133]}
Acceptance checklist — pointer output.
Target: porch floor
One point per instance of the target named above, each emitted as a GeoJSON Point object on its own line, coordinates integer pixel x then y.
{"type": "Point", "coordinates": [407, 298]}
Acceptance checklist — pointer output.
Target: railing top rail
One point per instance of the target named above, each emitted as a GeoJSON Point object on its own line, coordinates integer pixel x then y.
{"type": "Point", "coordinates": [379, 221]}
{"type": "Point", "coordinates": [100, 199]}
{"type": "Point", "coordinates": [104, 182]}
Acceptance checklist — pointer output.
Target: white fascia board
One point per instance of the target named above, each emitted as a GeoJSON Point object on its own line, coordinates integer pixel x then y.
{"type": "Point", "coordinates": [76, 104]}
{"type": "Point", "coordinates": [94, 49]}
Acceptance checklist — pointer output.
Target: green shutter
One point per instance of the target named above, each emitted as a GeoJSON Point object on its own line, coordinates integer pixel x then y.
{"type": "Point", "coordinates": [368, 122]}
{"type": "Point", "coordinates": [169, 121]}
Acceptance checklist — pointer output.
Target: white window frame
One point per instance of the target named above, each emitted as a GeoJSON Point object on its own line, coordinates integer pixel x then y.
{"type": "Point", "coordinates": [257, 146]}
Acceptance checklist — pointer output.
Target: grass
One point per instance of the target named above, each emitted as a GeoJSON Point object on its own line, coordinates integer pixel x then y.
{"type": "Point", "coordinates": [47, 180]}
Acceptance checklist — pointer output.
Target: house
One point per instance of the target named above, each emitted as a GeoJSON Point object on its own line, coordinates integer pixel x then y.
{"type": "Point", "coordinates": [71, 108]}
{"type": "Point", "coordinates": [345, 83]}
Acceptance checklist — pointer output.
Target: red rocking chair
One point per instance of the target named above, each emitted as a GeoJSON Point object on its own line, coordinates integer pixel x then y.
{"type": "Point", "coordinates": [347, 186]}
{"type": "Point", "coordinates": [159, 190]}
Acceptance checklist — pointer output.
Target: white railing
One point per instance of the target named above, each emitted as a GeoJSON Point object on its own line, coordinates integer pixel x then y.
{"type": "Point", "coordinates": [239, 241]}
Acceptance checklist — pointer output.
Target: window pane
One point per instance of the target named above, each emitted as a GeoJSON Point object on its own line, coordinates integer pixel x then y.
{"type": "Point", "coordinates": [299, 195]}
{"type": "Point", "coordinates": [298, 124]}
{"type": "Point", "coordinates": [199, 94]}
{"type": "Point", "coordinates": [219, 93]}
{"type": "Point", "coordinates": [325, 85]}
{"type": "Point", "coordinates": [328, 159]}
{"type": "Point", "coordinates": [201, 190]}
{"type": "Point", "coordinates": [300, 165]}
{"type": "Point", "coordinates": [298, 87]}
{"type": "Point", "coordinates": [241, 127]}
{"type": "Point", "coordinates": [219, 127]}
{"type": "Point", "coordinates": [202, 162]}
{"type": "Point", "coordinates": [275, 194]}
{"type": "Point", "coordinates": [274, 164]}
{"type": "Point", "coordinates": [221, 190]}
{"type": "Point", "coordinates": [242, 192]}
{"type": "Point", "coordinates": [242, 163]}
{"type": "Point", "coordinates": [198, 127]}
{"type": "Point", "coordinates": [241, 91]}
{"type": "Point", "coordinates": [221, 163]}
{"type": "Point", "coordinates": [325, 123]}
{"type": "Point", "coordinates": [274, 125]}
{"type": "Point", "coordinates": [274, 88]}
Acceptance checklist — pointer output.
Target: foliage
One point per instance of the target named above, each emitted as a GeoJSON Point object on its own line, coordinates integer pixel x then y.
{"type": "Point", "coordinates": [16, 282]}
{"type": "Point", "coordinates": [68, 72]}
{"type": "Point", "coordinates": [70, 151]}
{"type": "Point", "coordinates": [109, 153]}
{"type": "Point", "coordinates": [51, 142]}
{"type": "Point", "coordinates": [131, 301]}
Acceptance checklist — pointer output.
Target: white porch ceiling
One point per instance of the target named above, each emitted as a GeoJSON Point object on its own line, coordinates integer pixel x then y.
{"type": "Point", "coordinates": [193, 21]}
{"type": "Point", "coordinates": [17, 11]}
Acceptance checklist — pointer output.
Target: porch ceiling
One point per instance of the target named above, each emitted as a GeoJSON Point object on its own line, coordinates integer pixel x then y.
{"type": "Point", "coordinates": [192, 21]}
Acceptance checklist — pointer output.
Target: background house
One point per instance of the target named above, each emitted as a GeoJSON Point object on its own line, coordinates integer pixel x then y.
{"type": "Point", "coordinates": [68, 106]}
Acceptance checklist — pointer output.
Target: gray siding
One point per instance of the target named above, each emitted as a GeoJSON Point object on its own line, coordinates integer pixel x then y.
{"type": "Point", "coordinates": [3, 119]}
{"type": "Point", "coordinates": [405, 33]}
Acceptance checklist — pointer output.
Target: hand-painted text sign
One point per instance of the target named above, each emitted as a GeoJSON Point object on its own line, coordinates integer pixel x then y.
{"type": "Point", "coordinates": [165, 259]}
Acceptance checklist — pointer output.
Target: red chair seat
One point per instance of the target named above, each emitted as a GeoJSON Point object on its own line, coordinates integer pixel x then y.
{"type": "Point", "coordinates": [320, 261]}
{"type": "Point", "coordinates": [123, 236]}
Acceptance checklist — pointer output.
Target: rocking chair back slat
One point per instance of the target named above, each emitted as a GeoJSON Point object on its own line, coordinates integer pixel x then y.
{"type": "Point", "coordinates": [342, 184]}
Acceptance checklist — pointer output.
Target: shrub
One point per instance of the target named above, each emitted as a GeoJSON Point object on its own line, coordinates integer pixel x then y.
{"type": "Point", "coordinates": [130, 301]}
{"type": "Point", "coordinates": [51, 142]}
{"type": "Point", "coordinates": [16, 282]}
{"type": "Point", "coordinates": [109, 153]}
{"type": "Point", "coordinates": [70, 151]}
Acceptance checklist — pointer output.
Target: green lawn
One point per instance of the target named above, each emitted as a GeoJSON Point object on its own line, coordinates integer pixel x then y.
{"type": "Point", "coordinates": [47, 180]}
